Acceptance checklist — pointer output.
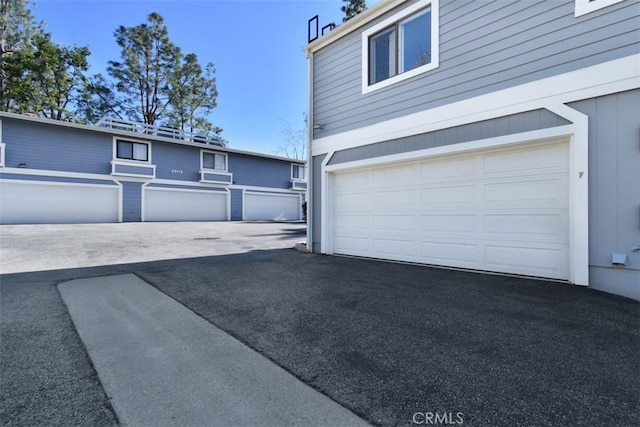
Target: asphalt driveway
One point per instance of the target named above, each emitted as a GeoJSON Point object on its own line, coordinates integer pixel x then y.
{"type": "Point", "coordinates": [396, 344]}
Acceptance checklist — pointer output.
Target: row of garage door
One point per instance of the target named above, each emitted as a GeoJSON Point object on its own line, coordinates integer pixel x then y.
{"type": "Point", "coordinates": [503, 210]}
{"type": "Point", "coordinates": [28, 202]}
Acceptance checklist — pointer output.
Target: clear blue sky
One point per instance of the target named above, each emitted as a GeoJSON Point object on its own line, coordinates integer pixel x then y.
{"type": "Point", "coordinates": [256, 46]}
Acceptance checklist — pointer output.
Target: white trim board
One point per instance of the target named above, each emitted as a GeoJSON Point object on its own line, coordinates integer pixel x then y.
{"type": "Point", "coordinates": [606, 78]}
{"type": "Point", "coordinates": [61, 174]}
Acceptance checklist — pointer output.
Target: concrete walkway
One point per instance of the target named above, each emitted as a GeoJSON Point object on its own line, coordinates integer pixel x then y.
{"type": "Point", "coordinates": [161, 364]}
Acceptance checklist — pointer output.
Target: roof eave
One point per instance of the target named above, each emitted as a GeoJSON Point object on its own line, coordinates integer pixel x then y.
{"type": "Point", "coordinates": [353, 24]}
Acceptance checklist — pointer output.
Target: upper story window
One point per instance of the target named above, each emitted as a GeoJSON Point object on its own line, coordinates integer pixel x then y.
{"type": "Point", "coordinates": [214, 161]}
{"type": "Point", "coordinates": [298, 172]}
{"type": "Point", "coordinates": [401, 46]}
{"type": "Point", "coordinates": [128, 150]}
{"type": "Point", "coordinates": [587, 6]}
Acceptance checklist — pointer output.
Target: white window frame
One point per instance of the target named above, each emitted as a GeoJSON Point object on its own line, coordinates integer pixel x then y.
{"type": "Point", "coordinates": [399, 17]}
{"type": "Point", "coordinates": [2, 147]}
{"type": "Point", "coordinates": [304, 172]}
{"type": "Point", "coordinates": [226, 161]}
{"type": "Point", "coordinates": [582, 7]}
{"type": "Point", "coordinates": [393, 61]}
{"type": "Point", "coordinates": [131, 161]}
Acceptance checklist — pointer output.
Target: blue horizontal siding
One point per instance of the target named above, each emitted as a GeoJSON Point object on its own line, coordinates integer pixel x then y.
{"type": "Point", "coordinates": [236, 205]}
{"type": "Point", "coordinates": [176, 162]}
{"type": "Point", "coordinates": [256, 171]}
{"type": "Point", "coordinates": [51, 147]}
{"type": "Point", "coordinates": [131, 201]}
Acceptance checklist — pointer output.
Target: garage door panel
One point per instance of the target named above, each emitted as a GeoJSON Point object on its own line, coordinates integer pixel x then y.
{"type": "Point", "coordinates": [533, 261]}
{"type": "Point", "coordinates": [355, 222]}
{"type": "Point", "coordinates": [503, 210]}
{"type": "Point", "coordinates": [444, 170]}
{"type": "Point", "coordinates": [525, 226]}
{"type": "Point", "coordinates": [184, 205]}
{"type": "Point", "coordinates": [404, 250]}
{"type": "Point", "coordinates": [271, 207]}
{"type": "Point", "coordinates": [354, 180]}
{"type": "Point", "coordinates": [350, 245]}
{"type": "Point", "coordinates": [391, 223]}
{"type": "Point", "coordinates": [529, 191]}
{"type": "Point", "coordinates": [543, 158]}
{"type": "Point", "coordinates": [394, 200]}
{"type": "Point", "coordinates": [57, 203]}
{"type": "Point", "coordinates": [449, 223]}
{"type": "Point", "coordinates": [350, 202]}
{"type": "Point", "coordinates": [450, 253]}
{"type": "Point", "coordinates": [465, 194]}
{"type": "Point", "coordinates": [389, 177]}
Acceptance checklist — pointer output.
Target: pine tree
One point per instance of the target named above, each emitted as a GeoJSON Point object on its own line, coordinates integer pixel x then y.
{"type": "Point", "coordinates": [142, 75]}
{"type": "Point", "coordinates": [352, 7]}
{"type": "Point", "coordinates": [193, 95]}
{"type": "Point", "coordinates": [153, 82]}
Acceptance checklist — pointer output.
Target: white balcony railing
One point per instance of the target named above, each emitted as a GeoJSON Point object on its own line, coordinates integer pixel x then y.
{"type": "Point", "coordinates": [162, 131]}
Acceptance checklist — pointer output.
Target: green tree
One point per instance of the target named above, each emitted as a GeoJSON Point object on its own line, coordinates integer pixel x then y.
{"type": "Point", "coordinates": [17, 27]}
{"type": "Point", "coordinates": [142, 76]}
{"type": "Point", "coordinates": [96, 100]}
{"type": "Point", "coordinates": [352, 7]}
{"type": "Point", "coordinates": [55, 75]}
{"type": "Point", "coordinates": [38, 76]}
{"type": "Point", "coordinates": [193, 95]}
{"type": "Point", "coordinates": [153, 82]}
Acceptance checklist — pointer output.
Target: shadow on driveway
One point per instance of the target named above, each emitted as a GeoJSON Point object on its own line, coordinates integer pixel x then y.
{"type": "Point", "coordinates": [389, 341]}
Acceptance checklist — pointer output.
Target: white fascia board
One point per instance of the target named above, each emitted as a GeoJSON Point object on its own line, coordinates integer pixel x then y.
{"type": "Point", "coordinates": [602, 79]}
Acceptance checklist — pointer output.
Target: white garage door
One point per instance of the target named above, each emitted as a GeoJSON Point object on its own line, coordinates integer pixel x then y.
{"type": "Point", "coordinates": [500, 210]}
{"type": "Point", "coordinates": [163, 204]}
{"type": "Point", "coordinates": [57, 203]}
{"type": "Point", "coordinates": [268, 207]}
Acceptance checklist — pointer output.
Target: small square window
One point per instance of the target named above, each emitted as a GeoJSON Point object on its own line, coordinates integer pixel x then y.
{"type": "Point", "coordinates": [132, 151]}
{"type": "Point", "coordinates": [298, 172]}
{"type": "Point", "coordinates": [215, 161]}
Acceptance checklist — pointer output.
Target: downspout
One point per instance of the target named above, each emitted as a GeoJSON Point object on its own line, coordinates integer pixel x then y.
{"type": "Point", "coordinates": [309, 156]}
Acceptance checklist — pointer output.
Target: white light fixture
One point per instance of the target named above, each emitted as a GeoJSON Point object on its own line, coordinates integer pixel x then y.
{"type": "Point", "coordinates": [317, 127]}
